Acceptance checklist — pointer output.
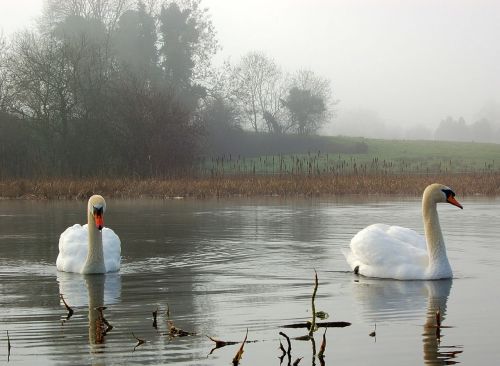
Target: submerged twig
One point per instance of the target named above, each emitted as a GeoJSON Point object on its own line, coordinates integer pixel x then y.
{"type": "Point", "coordinates": [109, 327]}
{"type": "Point", "coordinates": [100, 322]}
{"type": "Point", "coordinates": [239, 354]}
{"type": "Point", "coordinates": [9, 346]}
{"type": "Point", "coordinates": [312, 329]}
{"type": "Point", "coordinates": [283, 353]}
{"type": "Point", "coordinates": [289, 351]}
{"type": "Point", "coordinates": [68, 308]}
{"type": "Point", "coordinates": [155, 323]}
{"type": "Point", "coordinates": [322, 347]}
{"type": "Point", "coordinates": [139, 341]}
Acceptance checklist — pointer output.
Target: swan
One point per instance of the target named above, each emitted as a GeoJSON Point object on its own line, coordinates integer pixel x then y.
{"type": "Point", "coordinates": [396, 252]}
{"type": "Point", "coordinates": [91, 248]}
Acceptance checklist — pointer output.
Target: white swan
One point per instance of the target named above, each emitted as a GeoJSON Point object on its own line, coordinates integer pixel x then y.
{"type": "Point", "coordinates": [396, 252]}
{"type": "Point", "coordinates": [90, 248]}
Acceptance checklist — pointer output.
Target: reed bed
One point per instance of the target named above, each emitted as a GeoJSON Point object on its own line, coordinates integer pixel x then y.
{"type": "Point", "coordinates": [344, 164]}
{"type": "Point", "coordinates": [251, 185]}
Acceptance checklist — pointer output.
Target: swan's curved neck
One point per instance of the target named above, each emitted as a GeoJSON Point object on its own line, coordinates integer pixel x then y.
{"type": "Point", "coordinates": [436, 249]}
{"type": "Point", "coordinates": [95, 257]}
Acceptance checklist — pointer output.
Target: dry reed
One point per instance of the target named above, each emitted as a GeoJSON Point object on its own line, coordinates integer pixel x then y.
{"type": "Point", "coordinates": [248, 185]}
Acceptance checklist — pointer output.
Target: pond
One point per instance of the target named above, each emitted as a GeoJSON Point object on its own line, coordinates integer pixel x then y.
{"type": "Point", "coordinates": [220, 268]}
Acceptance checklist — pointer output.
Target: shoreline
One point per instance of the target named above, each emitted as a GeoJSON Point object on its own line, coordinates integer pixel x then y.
{"type": "Point", "coordinates": [287, 186]}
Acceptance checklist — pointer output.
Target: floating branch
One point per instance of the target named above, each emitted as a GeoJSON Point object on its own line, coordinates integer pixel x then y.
{"type": "Point", "coordinates": [306, 337]}
{"type": "Point", "coordinates": [307, 325]}
{"type": "Point", "coordinates": [220, 343]}
{"type": "Point", "coordinates": [239, 354]}
{"type": "Point", "coordinates": [139, 341]}
{"type": "Point", "coordinates": [68, 308]}
{"type": "Point", "coordinates": [173, 331]}
{"type": "Point", "coordinates": [297, 361]}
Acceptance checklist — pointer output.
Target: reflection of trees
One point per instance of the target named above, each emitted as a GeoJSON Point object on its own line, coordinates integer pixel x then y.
{"type": "Point", "coordinates": [394, 300]}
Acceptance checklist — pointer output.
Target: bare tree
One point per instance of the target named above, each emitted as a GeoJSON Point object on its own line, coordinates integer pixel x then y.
{"type": "Point", "coordinates": [105, 11]}
{"type": "Point", "coordinates": [4, 85]}
{"type": "Point", "coordinates": [261, 86]}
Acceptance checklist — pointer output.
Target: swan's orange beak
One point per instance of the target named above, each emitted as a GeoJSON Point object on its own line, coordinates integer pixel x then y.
{"type": "Point", "coordinates": [453, 201]}
{"type": "Point", "coordinates": [99, 222]}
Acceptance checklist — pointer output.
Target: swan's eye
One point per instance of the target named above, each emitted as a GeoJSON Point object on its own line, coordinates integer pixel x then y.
{"type": "Point", "coordinates": [448, 193]}
{"type": "Point", "coordinates": [98, 211]}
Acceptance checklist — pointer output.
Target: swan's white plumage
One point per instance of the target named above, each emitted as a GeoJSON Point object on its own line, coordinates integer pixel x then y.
{"type": "Point", "coordinates": [396, 252]}
{"type": "Point", "coordinates": [74, 244]}
{"type": "Point", "coordinates": [388, 252]}
{"type": "Point", "coordinates": [91, 248]}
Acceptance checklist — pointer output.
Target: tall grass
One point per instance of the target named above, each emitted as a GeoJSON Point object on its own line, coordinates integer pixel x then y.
{"type": "Point", "coordinates": [249, 185]}
{"type": "Point", "coordinates": [344, 164]}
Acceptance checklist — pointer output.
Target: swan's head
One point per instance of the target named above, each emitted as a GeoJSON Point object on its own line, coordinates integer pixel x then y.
{"type": "Point", "coordinates": [441, 193]}
{"type": "Point", "coordinates": [97, 207]}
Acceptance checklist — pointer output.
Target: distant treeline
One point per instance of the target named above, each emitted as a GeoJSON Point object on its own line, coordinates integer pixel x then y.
{"type": "Point", "coordinates": [126, 88]}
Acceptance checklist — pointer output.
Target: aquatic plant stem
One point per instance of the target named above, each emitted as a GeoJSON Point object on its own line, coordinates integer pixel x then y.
{"type": "Point", "coordinates": [313, 306]}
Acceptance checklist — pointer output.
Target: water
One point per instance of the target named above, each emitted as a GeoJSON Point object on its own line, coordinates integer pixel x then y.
{"type": "Point", "coordinates": [222, 267]}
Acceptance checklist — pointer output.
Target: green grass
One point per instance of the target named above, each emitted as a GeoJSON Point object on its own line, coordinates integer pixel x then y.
{"type": "Point", "coordinates": [382, 157]}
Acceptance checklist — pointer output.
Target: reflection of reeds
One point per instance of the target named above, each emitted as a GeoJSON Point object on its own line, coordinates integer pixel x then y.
{"type": "Point", "coordinates": [9, 346]}
{"type": "Point", "coordinates": [252, 185]}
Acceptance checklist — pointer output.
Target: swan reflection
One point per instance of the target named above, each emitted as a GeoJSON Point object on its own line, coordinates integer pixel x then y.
{"type": "Point", "coordinates": [389, 300]}
{"type": "Point", "coordinates": [94, 291]}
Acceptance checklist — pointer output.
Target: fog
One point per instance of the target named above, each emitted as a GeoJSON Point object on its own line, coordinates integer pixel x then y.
{"type": "Point", "coordinates": [401, 65]}
{"type": "Point", "coordinates": [397, 69]}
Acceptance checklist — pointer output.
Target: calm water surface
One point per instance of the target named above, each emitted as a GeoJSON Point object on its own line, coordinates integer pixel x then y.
{"type": "Point", "coordinates": [222, 267]}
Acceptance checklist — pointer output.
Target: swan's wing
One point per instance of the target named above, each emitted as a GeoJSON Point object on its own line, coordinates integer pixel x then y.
{"type": "Point", "coordinates": [73, 248]}
{"type": "Point", "coordinates": [388, 251]}
{"type": "Point", "coordinates": [112, 250]}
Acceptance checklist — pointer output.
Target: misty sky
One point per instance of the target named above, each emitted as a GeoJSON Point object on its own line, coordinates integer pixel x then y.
{"type": "Point", "coordinates": [411, 62]}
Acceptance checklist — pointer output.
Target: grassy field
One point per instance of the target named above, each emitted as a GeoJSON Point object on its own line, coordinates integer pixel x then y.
{"type": "Point", "coordinates": [387, 167]}
{"type": "Point", "coordinates": [381, 157]}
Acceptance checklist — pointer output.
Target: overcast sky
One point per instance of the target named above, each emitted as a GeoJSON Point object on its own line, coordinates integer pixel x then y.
{"type": "Point", "coordinates": [411, 61]}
